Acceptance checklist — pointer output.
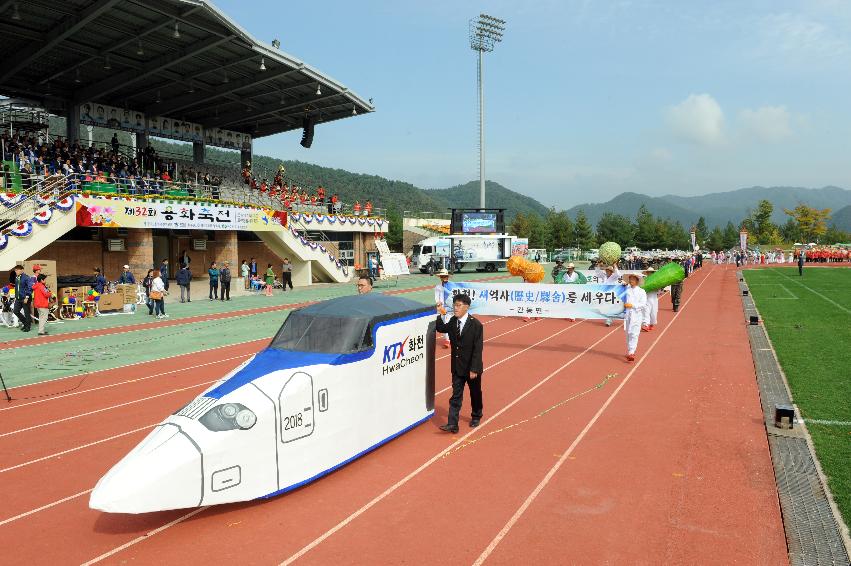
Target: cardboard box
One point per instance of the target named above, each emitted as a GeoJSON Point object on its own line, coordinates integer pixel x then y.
{"type": "Point", "coordinates": [128, 292]}
{"type": "Point", "coordinates": [79, 292]}
{"type": "Point", "coordinates": [111, 302]}
{"type": "Point", "coordinates": [48, 267]}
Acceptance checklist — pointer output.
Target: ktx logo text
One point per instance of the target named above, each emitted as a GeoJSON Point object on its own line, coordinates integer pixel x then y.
{"type": "Point", "coordinates": [394, 351]}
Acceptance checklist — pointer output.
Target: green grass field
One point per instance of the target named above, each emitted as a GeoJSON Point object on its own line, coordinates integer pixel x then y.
{"type": "Point", "coordinates": [809, 322]}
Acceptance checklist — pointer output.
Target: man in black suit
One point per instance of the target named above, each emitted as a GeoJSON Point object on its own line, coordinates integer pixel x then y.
{"type": "Point", "coordinates": [467, 337]}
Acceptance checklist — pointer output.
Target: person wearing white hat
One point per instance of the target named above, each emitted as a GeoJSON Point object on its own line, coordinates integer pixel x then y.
{"type": "Point", "coordinates": [570, 277]}
{"type": "Point", "coordinates": [634, 304]}
{"type": "Point", "coordinates": [651, 311]}
{"type": "Point", "coordinates": [126, 278]}
{"type": "Point", "coordinates": [443, 275]}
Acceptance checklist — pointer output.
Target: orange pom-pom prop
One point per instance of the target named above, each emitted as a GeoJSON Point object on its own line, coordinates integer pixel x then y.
{"type": "Point", "coordinates": [516, 264]}
{"type": "Point", "coordinates": [534, 272]}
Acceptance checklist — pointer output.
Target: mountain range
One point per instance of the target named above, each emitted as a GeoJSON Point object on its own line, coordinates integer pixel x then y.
{"type": "Point", "coordinates": [716, 208]}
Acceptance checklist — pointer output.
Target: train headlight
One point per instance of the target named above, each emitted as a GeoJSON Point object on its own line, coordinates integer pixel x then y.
{"type": "Point", "coordinates": [228, 416]}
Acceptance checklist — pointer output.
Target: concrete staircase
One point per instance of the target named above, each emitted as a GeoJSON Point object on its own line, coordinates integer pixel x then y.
{"type": "Point", "coordinates": [312, 261]}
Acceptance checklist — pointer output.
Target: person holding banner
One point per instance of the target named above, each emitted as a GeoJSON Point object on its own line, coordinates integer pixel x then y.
{"type": "Point", "coordinates": [467, 336]}
{"type": "Point", "coordinates": [438, 299]}
{"type": "Point", "coordinates": [572, 277]}
{"type": "Point", "coordinates": [634, 304]}
{"type": "Point", "coordinates": [651, 311]}
{"type": "Point", "coordinates": [609, 275]}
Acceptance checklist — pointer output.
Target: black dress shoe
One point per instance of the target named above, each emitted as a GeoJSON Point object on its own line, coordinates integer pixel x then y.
{"type": "Point", "coordinates": [449, 428]}
{"type": "Point", "coordinates": [474, 423]}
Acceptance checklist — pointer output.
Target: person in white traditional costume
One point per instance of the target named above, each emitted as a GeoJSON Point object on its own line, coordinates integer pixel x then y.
{"type": "Point", "coordinates": [635, 301]}
{"type": "Point", "coordinates": [443, 275]}
{"type": "Point", "coordinates": [651, 311]}
{"type": "Point", "coordinates": [608, 275]}
{"type": "Point", "coordinates": [571, 277]}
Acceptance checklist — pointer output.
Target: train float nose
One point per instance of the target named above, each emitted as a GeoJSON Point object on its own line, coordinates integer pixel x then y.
{"type": "Point", "coordinates": [163, 472]}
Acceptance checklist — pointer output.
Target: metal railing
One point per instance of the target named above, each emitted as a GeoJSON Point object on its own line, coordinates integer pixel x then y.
{"type": "Point", "coordinates": [40, 192]}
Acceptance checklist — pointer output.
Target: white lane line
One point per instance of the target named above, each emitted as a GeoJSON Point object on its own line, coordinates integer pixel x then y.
{"type": "Point", "coordinates": [53, 398]}
{"type": "Point", "coordinates": [43, 507]}
{"type": "Point", "coordinates": [434, 459]}
{"type": "Point", "coordinates": [106, 409]}
{"type": "Point", "coordinates": [811, 290]}
{"type": "Point", "coordinates": [145, 536]}
{"type": "Point", "coordinates": [493, 365]}
{"type": "Point", "coordinates": [543, 483]}
{"type": "Point", "coordinates": [187, 354]}
{"type": "Point", "coordinates": [57, 454]}
{"type": "Point", "coordinates": [827, 422]}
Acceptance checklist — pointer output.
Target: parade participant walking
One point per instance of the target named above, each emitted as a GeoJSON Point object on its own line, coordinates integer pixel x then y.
{"type": "Point", "coordinates": [270, 280]}
{"type": "Point", "coordinates": [801, 260]}
{"type": "Point", "coordinates": [634, 303]}
{"type": "Point", "coordinates": [158, 292]}
{"type": "Point", "coordinates": [287, 274]}
{"type": "Point", "coordinates": [225, 277]}
{"type": "Point", "coordinates": [126, 277]}
{"type": "Point", "coordinates": [677, 291]}
{"type": "Point", "coordinates": [213, 272]}
{"type": "Point", "coordinates": [184, 280]}
{"type": "Point", "coordinates": [41, 301]}
{"type": "Point", "coordinates": [164, 272]}
{"type": "Point", "coordinates": [467, 337]}
{"type": "Point", "coordinates": [443, 275]}
{"type": "Point", "coordinates": [23, 295]}
{"type": "Point", "coordinates": [245, 271]}
{"type": "Point", "coordinates": [651, 311]}
{"type": "Point", "coordinates": [609, 275]}
{"type": "Point", "coordinates": [557, 269]}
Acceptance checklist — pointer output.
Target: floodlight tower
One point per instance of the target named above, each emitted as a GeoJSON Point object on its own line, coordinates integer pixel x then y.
{"type": "Point", "coordinates": [485, 33]}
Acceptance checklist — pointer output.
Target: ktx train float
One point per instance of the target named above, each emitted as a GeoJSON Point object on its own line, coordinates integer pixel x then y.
{"type": "Point", "coordinates": [339, 379]}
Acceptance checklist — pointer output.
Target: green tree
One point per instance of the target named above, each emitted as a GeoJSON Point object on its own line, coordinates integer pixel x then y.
{"type": "Point", "coordinates": [645, 229]}
{"type": "Point", "coordinates": [715, 241]}
{"type": "Point", "coordinates": [731, 236]}
{"type": "Point", "coordinates": [790, 231]}
{"type": "Point", "coordinates": [521, 226]}
{"type": "Point", "coordinates": [537, 231]}
{"type": "Point", "coordinates": [834, 235]}
{"type": "Point", "coordinates": [559, 229]}
{"type": "Point", "coordinates": [394, 232]}
{"type": "Point", "coordinates": [702, 231]}
{"type": "Point", "coordinates": [678, 238]}
{"type": "Point", "coordinates": [583, 234]}
{"type": "Point", "coordinates": [615, 228]}
{"type": "Point", "coordinates": [663, 237]}
{"type": "Point", "coordinates": [764, 231]}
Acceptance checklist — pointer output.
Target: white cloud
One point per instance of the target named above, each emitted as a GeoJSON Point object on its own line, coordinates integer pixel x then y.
{"type": "Point", "coordinates": [697, 119]}
{"type": "Point", "coordinates": [661, 154]}
{"type": "Point", "coordinates": [768, 123]}
{"type": "Point", "coordinates": [799, 36]}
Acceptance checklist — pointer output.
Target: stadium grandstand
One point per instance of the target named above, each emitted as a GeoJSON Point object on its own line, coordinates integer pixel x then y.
{"type": "Point", "coordinates": [119, 75]}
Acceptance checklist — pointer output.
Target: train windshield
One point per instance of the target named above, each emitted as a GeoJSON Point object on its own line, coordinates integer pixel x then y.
{"type": "Point", "coordinates": [303, 332]}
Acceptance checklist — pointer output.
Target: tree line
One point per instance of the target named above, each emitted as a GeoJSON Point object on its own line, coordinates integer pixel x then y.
{"type": "Point", "coordinates": [557, 230]}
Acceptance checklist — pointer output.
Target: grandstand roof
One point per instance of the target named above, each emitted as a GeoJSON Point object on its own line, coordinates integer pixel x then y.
{"type": "Point", "coordinates": [127, 54]}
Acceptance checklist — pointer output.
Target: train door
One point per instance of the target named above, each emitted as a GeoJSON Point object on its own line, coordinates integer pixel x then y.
{"type": "Point", "coordinates": [296, 401]}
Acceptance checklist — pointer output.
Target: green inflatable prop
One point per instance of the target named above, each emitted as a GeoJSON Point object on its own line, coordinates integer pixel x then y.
{"type": "Point", "coordinates": [610, 253]}
{"type": "Point", "coordinates": [668, 274]}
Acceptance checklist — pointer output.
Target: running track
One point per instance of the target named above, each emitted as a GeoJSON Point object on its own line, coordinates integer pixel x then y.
{"type": "Point", "coordinates": [665, 463]}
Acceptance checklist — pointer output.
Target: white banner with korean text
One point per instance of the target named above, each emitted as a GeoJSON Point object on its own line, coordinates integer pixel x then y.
{"type": "Point", "coordinates": [537, 299]}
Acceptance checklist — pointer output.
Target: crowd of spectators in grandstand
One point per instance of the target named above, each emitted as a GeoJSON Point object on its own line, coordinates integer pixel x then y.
{"type": "Point", "coordinates": [92, 168]}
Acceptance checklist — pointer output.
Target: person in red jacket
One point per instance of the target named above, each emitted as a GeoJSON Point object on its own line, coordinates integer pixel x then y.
{"type": "Point", "coordinates": [41, 301]}
{"type": "Point", "coordinates": [357, 208]}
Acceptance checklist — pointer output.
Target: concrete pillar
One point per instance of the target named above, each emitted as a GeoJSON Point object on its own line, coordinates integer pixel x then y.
{"type": "Point", "coordinates": [245, 156]}
{"type": "Point", "coordinates": [72, 122]}
{"type": "Point", "coordinates": [198, 151]}
{"type": "Point", "coordinates": [140, 251]}
{"type": "Point", "coordinates": [227, 250]}
{"type": "Point", "coordinates": [141, 141]}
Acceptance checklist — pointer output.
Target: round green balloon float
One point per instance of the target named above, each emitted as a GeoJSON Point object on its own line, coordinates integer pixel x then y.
{"type": "Point", "coordinates": [610, 253]}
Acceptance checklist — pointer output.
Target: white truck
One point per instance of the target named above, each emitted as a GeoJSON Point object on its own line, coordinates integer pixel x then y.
{"type": "Point", "coordinates": [482, 253]}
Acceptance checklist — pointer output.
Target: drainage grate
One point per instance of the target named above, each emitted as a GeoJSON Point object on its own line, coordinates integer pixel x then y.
{"type": "Point", "coordinates": [812, 535]}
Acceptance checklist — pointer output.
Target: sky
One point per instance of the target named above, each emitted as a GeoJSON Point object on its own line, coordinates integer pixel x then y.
{"type": "Point", "coordinates": [584, 99]}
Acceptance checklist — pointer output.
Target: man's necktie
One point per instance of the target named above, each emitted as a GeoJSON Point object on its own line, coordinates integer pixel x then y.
{"type": "Point", "coordinates": [459, 327]}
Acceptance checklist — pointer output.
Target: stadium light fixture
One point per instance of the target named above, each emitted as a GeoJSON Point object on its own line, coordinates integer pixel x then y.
{"type": "Point", "coordinates": [227, 79]}
{"type": "Point", "coordinates": [16, 11]}
{"type": "Point", "coordinates": [139, 49]}
{"type": "Point", "coordinates": [262, 63]}
{"type": "Point", "coordinates": [354, 110]}
{"type": "Point", "coordinates": [276, 44]}
{"type": "Point", "coordinates": [485, 32]}
{"type": "Point", "coordinates": [176, 34]}
{"type": "Point", "coordinates": [283, 100]}
{"type": "Point", "coordinates": [159, 98]}
{"type": "Point", "coordinates": [106, 64]}
{"type": "Point", "coordinates": [318, 89]}
{"type": "Point", "coordinates": [77, 75]}
{"type": "Point", "coordinates": [191, 86]}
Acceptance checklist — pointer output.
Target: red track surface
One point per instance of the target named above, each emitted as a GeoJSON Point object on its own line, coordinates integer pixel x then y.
{"type": "Point", "coordinates": [666, 463]}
